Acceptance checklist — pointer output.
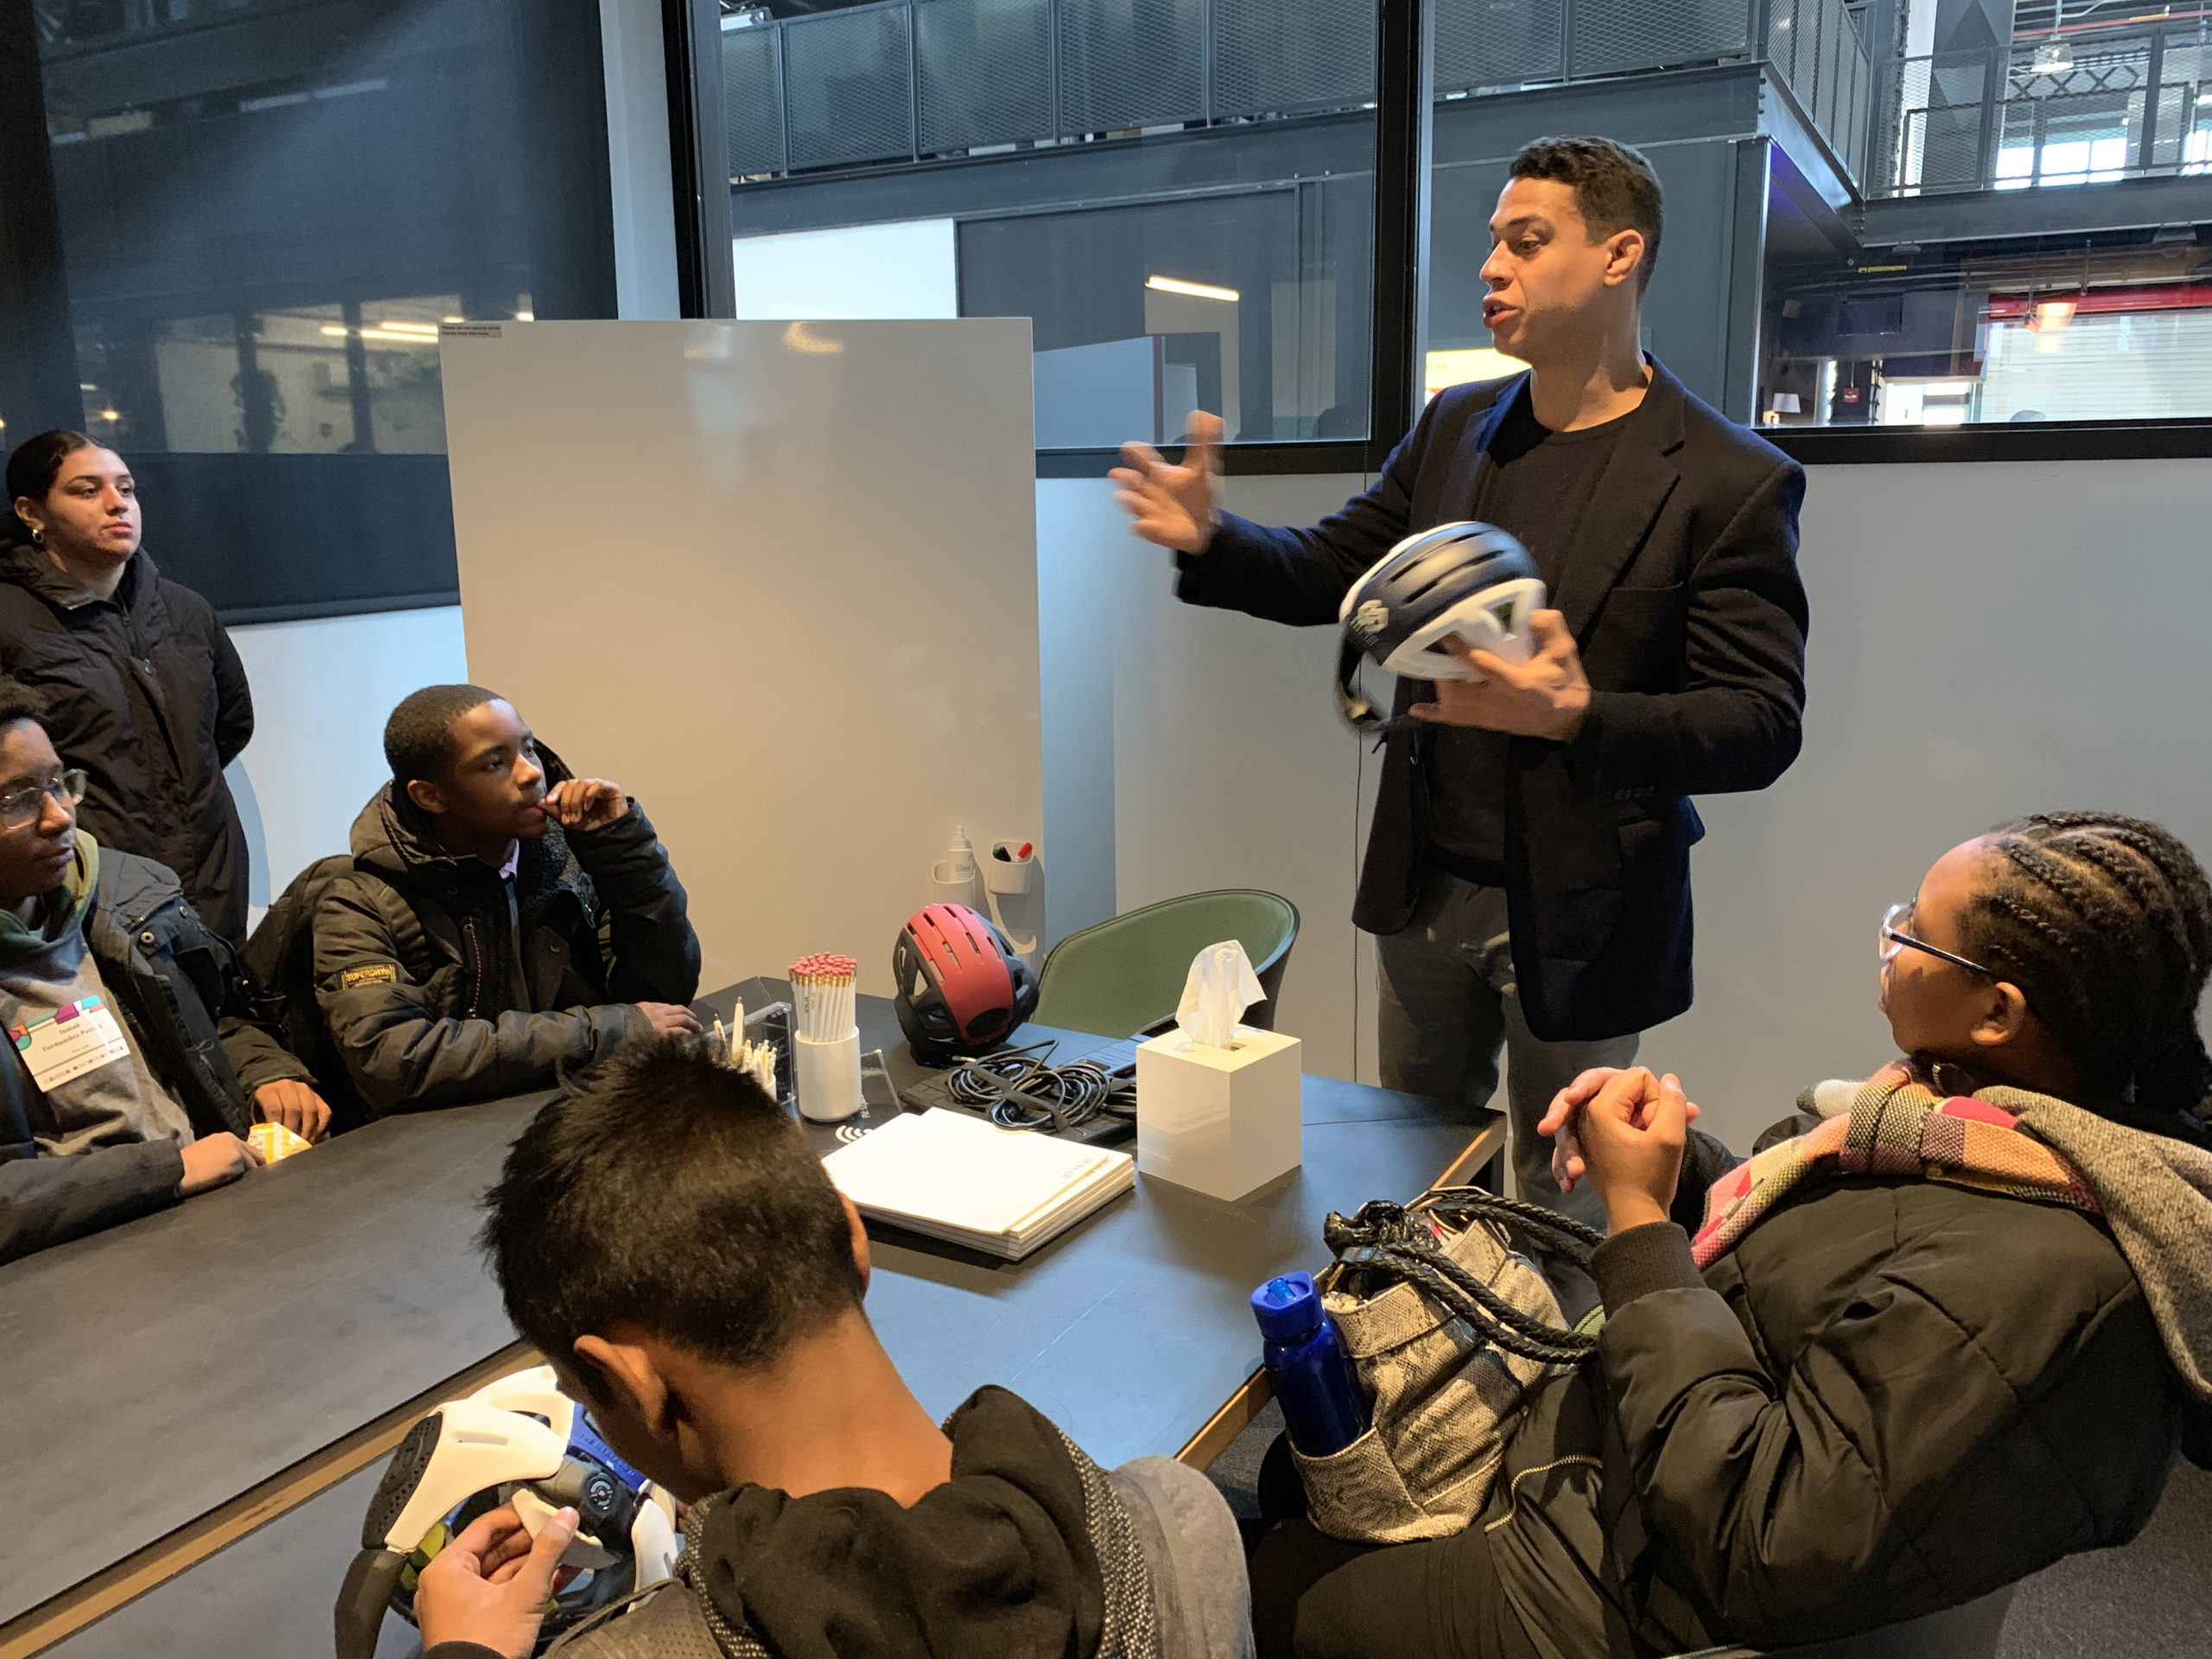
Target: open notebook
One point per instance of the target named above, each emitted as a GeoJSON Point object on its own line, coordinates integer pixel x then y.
{"type": "Point", "coordinates": [954, 1176]}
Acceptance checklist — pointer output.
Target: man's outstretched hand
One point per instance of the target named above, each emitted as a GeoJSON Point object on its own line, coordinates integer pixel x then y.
{"type": "Point", "coordinates": [1172, 505]}
{"type": "Point", "coordinates": [490, 1586]}
{"type": "Point", "coordinates": [1546, 697]}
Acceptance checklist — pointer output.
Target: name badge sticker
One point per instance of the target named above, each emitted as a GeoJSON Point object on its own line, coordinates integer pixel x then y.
{"type": "Point", "coordinates": [76, 1038]}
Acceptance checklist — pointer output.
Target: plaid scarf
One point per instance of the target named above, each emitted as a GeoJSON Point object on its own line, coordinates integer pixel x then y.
{"type": "Point", "coordinates": [1896, 1126]}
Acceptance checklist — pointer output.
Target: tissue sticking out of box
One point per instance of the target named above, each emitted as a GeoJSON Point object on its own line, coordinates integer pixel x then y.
{"type": "Point", "coordinates": [1220, 987]}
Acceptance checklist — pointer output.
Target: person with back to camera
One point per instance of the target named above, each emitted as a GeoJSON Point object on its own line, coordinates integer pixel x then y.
{"type": "Point", "coordinates": [663, 1235]}
{"type": "Point", "coordinates": [500, 919]}
{"type": "Point", "coordinates": [1948, 1325]}
{"type": "Point", "coordinates": [1526, 873]}
{"type": "Point", "coordinates": [142, 687]}
{"type": "Point", "coordinates": [180, 1074]}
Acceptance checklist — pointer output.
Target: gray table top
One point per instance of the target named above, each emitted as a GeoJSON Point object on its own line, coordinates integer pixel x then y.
{"type": "Point", "coordinates": [156, 1370]}
{"type": "Point", "coordinates": [185, 1358]}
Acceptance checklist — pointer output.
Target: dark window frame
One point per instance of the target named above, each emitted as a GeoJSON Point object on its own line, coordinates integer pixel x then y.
{"type": "Point", "coordinates": [1404, 114]}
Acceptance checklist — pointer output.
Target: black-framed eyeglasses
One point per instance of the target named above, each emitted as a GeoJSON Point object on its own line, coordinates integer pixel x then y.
{"type": "Point", "coordinates": [21, 806]}
{"type": "Point", "coordinates": [1893, 938]}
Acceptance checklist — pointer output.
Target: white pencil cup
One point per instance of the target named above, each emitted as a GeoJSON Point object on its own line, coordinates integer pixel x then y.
{"type": "Point", "coordinates": [828, 1076]}
{"type": "Point", "coordinates": [1009, 874]}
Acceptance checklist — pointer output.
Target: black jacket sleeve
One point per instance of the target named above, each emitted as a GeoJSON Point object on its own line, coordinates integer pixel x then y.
{"type": "Point", "coordinates": [1301, 577]}
{"type": "Point", "coordinates": [255, 1056]}
{"type": "Point", "coordinates": [1737, 720]}
{"type": "Point", "coordinates": [233, 697]}
{"type": "Point", "coordinates": [652, 953]}
{"type": "Point", "coordinates": [46, 1201]}
{"type": "Point", "coordinates": [1866, 1471]}
{"type": "Point", "coordinates": [403, 1058]}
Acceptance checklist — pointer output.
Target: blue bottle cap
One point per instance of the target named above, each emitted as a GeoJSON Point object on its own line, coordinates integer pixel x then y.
{"type": "Point", "coordinates": [1288, 1308]}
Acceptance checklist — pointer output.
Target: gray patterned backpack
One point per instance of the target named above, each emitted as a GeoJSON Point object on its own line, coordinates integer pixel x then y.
{"type": "Point", "coordinates": [1453, 1328]}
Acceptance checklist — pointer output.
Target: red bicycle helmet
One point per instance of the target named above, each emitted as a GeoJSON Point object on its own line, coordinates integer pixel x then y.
{"type": "Point", "coordinates": [961, 987]}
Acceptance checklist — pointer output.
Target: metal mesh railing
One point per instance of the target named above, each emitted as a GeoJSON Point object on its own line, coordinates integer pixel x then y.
{"type": "Point", "coordinates": [848, 87]}
{"type": "Point", "coordinates": [2070, 106]}
{"type": "Point", "coordinates": [1288, 57]}
{"type": "Point", "coordinates": [1817, 52]}
{"type": "Point", "coordinates": [907, 78]}
{"type": "Point", "coordinates": [982, 73]}
{"type": "Point", "coordinates": [1610, 37]}
{"type": "Point", "coordinates": [1126, 64]}
{"type": "Point", "coordinates": [753, 101]}
{"type": "Point", "coordinates": [1484, 43]}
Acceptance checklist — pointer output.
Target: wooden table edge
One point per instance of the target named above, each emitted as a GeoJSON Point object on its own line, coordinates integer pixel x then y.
{"type": "Point", "coordinates": [89, 1600]}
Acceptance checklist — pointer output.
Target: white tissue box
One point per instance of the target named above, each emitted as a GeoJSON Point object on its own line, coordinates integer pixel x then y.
{"type": "Point", "coordinates": [1223, 1120]}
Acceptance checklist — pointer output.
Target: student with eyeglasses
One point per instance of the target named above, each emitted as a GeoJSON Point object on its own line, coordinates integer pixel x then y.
{"type": "Point", "coordinates": [128, 1088]}
{"type": "Point", "coordinates": [1947, 1325]}
{"type": "Point", "coordinates": [142, 687]}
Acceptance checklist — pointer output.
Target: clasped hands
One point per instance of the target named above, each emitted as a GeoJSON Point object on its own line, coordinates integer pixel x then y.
{"type": "Point", "coordinates": [1623, 1130]}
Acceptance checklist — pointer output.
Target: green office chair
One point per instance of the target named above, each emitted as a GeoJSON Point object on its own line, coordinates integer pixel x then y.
{"type": "Point", "coordinates": [1126, 976]}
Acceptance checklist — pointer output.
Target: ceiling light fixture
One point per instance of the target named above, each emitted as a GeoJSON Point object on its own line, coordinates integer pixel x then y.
{"type": "Point", "coordinates": [1196, 290]}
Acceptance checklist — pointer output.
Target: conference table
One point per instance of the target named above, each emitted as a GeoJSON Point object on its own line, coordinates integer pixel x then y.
{"type": "Point", "coordinates": [202, 1402]}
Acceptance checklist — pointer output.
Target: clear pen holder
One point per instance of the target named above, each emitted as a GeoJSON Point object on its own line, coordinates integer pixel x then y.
{"type": "Point", "coordinates": [828, 1076]}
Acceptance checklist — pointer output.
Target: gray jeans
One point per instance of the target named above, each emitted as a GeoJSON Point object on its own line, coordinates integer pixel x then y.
{"type": "Point", "coordinates": [1449, 1007]}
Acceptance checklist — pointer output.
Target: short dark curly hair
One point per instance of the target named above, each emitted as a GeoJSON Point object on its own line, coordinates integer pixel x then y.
{"type": "Point", "coordinates": [18, 703]}
{"type": "Point", "coordinates": [2104, 922]}
{"type": "Point", "coordinates": [418, 738]}
{"type": "Point", "coordinates": [664, 1189]}
{"type": "Point", "coordinates": [1613, 185]}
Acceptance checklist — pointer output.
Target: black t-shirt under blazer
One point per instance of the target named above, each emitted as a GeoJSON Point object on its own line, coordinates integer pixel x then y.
{"type": "Point", "coordinates": [1537, 486]}
{"type": "Point", "coordinates": [1679, 581]}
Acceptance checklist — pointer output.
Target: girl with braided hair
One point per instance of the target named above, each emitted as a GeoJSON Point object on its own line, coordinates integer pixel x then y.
{"type": "Point", "coordinates": [2102, 926]}
{"type": "Point", "coordinates": [1946, 1326]}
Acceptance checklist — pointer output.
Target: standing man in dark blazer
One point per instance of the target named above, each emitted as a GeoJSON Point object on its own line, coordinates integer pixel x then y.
{"type": "Point", "coordinates": [1527, 870]}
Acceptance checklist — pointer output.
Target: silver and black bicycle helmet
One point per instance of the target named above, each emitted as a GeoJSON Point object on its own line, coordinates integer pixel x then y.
{"type": "Point", "coordinates": [1467, 579]}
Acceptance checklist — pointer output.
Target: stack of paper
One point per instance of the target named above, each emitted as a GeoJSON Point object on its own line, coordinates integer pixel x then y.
{"type": "Point", "coordinates": [957, 1177]}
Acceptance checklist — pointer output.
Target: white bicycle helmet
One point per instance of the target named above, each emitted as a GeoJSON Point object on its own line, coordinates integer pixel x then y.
{"type": "Point", "coordinates": [519, 1441]}
{"type": "Point", "coordinates": [1467, 579]}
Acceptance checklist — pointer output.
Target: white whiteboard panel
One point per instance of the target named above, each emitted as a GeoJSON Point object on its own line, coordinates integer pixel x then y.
{"type": "Point", "coordinates": [778, 580]}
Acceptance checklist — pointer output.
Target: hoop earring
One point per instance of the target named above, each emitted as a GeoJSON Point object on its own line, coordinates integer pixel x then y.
{"type": "Point", "coordinates": [38, 538]}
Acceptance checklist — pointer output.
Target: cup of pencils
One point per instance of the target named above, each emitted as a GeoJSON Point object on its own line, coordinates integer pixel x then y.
{"type": "Point", "coordinates": [825, 1038]}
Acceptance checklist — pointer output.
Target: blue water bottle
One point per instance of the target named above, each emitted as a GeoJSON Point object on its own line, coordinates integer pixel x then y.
{"type": "Point", "coordinates": [1323, 1405]}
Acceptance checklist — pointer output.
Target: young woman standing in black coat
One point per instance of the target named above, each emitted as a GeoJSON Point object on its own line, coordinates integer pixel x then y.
{"type": "Point", "coordinates": [142, 687]}
{"type": "Point", "coordinates": [1899, 1368]}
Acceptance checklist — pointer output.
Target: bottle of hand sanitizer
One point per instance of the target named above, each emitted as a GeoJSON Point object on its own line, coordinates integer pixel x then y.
{"type": "Point", "coordinates": [952, 879]}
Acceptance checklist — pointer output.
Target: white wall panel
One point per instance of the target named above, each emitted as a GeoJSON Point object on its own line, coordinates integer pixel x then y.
{"type": "Point", "coordinates": [1987, 639]}
{"type": "Point", "coordinates": [1232, 769]}
{"type": "Point", "coordinates": [803, 630]}
{"type": "Point", "coordinates": [321, 690]}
